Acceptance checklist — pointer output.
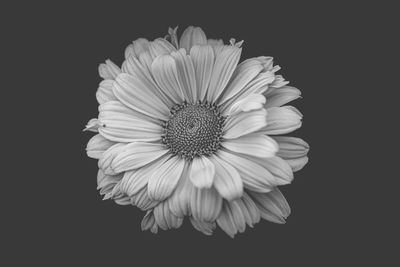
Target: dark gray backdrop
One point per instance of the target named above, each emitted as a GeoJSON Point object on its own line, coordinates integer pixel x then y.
{"type": "Point", "coordinates": [333, 52]}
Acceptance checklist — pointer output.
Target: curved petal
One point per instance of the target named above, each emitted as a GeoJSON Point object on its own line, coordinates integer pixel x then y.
{"type": "Point", "coordinates": [136, 155]}
{"type": "Point", "coordinates": [137, 47]}
{"type": "Point", "coordinates": [205, 204]}
{"type": "Point", "coordinates": [133, 93]}
{"type": "Point", "coordinates": [249, 103]}
{"type": "Point", "coordinates": [252, 213]}
{"type": "Point", "coordinates": [179, 201]}
{"type": "Point", "coordinates": [142, 200]}
{"type": "Point", "coordinates": [108, 156]}
{"type": "Point", "coordinates": [203, 62]}
{"type": "Point", "coordinates": [244, 123]}
{"type": "Point", "coordinates": [279, 81]}
{"type": "Point", "coordinates": [106, 183]}
{"type": "Point", "coordinates": [164, 179]}
{"type": "Point", "coordinates": [97, 145]}
{"type": "Point", "coordinates": [105, 91]}
{"type": "Point", "coordinates": [92, 125]}
{"type": "Point", "coordinates": [297, 164]}
{"type": "Point", "coordinates": [225, 64]}
{"type": "Point", "coordinates": [202, 172]}
{"type": "Point", "coordinates": [244, 73]}
{"type": "Point", "coordinates": [159, 47]}
{"type": "Point", "coordinates": [291, 147]}
{"type": "Point", "coordinates": [206, 228]}
{"type": "Point", "coordinates": [186, 74]}
{"type": "Point", "coordinates": [166, 75]}
{"type": "Point", "coordinates": [238, 217]}
{"type": "Point", "coordinates": [258, 85]}
{"type": "Point", "coordinates": [281, 96]}
{"type": "Point", "coordinates": [165, 218]}
{"type": "Point", "coordinates": [278, 167]}
{"type": "Point", "coordinates": [226, 221]}
{"type": "Point", "coordinates": [108, 70]}
{"type": "Point", "coordinates": [149, 222]}
{"type": "Point", "coordinates": [122, 124]}
{"type": "Point", "coordinates": [192, 36]}
{"type": "Point", "coordinates": [134, 67]}
{"type": "Point", "coordinates": [273, 205]}
{"type": "Point", "coordinates": [282, 120]}
{"type": "Point", "coordinates": [256, 145]}
{"type": "Point", "coordinates": [227, 179]}
{"type": "Point", "coordinates": [134, 180]}
{"type": "Point", "coordinates": [254, 176]}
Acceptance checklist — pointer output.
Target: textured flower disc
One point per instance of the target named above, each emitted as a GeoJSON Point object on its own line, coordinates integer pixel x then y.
{"type": "Point", "coordinates": [193, 130]}
{"type": "Point", "coordinates": [186, 130]}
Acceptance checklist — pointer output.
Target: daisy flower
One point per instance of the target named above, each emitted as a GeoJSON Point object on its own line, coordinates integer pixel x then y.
{"type": "Point", "coordinates": [185, 130]}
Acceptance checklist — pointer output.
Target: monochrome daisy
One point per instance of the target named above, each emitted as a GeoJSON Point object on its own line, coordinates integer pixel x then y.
{"type": "Point", "coordinates": [185, 130]}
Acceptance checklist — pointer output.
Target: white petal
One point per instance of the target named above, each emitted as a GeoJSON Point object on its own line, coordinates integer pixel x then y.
{"type": "Point", "coordinates": [202, 172]}
{"type": "Point", "coordinates": [148, 222]}
{"type": "Point", "coordinates": [160, 47]}
{"type": "Point", "coordinates": [253, 213]}
{"type": "Point", "coordinates": [282, 120]}
{"type": "Point", "coordinates": [97, 145]}
{"type": "Point", "coordinates": [122, 124]}
{"type": "Point", "coordinates": [166, 75]}
{"type": "Point", "coordinates": [164, 180]}
{"type": "Point", "coordinates": [92, 125]}
{"type": "Point", "coordinates": [108, 156]}
{"type": "Point", "coordinates": [186, 74]}
{"type": "Point", "coordinates": [105, 91]}
{"type": "Point", "coordinates": [134, 180]}
{"type": "Point", "coordinates": [238, 217]}
{"type": "Point", "coordinates": [134, 67]}
{"type": "Point", "coordinates": [165, 218]}
{"type": "Point", "coordinates": [297, 164]}
{"type": "Point", "coordinates": [244, 73]}
{"type": "Point", "coordinates": [108, 70]}
{"type": "Point", "coordinates": [226, 222]}
{"type": "Point", "coordinates": [227, 180]}
{"type": "Point", "coordinates": [206, 228]}
{"type": "Point", "coordinates": [279, 80]}
{"type": "Point", "coordinates": [225, 64]}
{"type": "Point", "coordinates": [106, 182]}
{"type": "Point", "coordinates": [278, 167]}
{"type": "Point", "coordinates": [256, 145]}
{"type": "Point", "coordinates": [179, 201]}
{"type": "Point", "coordinates": [281, 96]}
{"type": "Point", "coordinates": [205, 204]}
{"type": "Point", "coordinates": [136, 155]}
{"type": "Point", "coordinates": [192, 36]}
{"type": "Point", "coordinates": [203, 62]}
{"type": "Point", "coordinates": [254, 176]}
{"type": "Point", "coordinates": [249, 103]}
{"type": "Point", "coordinates": [258, 85]}
{"type": "Point", "coordinates": [133, 93]}
{"type": "Point", "coordinates": [273, 205]}
{"type": "Point", "coordinates": [142, 200]}
{"type": "Point", "coordinates": [244, 123]}
{"type": "Point", "coordinates": [137, 47]}
{"type": "Point", "coordinates": [291, 147]}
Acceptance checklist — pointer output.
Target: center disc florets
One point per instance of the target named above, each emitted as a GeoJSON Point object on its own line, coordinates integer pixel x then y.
{"type": "Point", "coordinates": [193, 130]}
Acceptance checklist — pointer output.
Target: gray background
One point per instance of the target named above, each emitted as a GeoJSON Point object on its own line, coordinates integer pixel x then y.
{"type": "Point", "coordinates": [339, 54]}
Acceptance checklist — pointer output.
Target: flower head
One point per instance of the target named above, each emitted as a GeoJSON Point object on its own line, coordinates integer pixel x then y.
{"type": "Point", "coordinates": [185, 130]}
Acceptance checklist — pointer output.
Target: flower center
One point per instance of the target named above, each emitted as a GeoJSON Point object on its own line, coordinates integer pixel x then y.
{"type": "Point", "coordinates": [193, 130]}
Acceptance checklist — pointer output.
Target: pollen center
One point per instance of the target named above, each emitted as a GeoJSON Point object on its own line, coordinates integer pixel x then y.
{"type": "Point", "coordinates": [193, 130]}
